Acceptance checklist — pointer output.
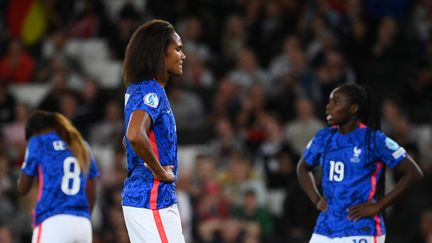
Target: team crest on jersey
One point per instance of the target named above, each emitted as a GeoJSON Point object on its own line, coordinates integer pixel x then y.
{"type": "Point", "coordinates": [151, 99]}
{"type": "Point", "coordinates": [356, 155]}
{"type": "Point", "coordinates": [391, 144]}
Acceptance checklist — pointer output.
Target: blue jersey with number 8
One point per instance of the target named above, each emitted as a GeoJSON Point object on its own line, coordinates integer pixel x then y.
{"type": "Point", "coordinates": [350, 172]}
{"type": "Point", "coordinates": [62, 184]}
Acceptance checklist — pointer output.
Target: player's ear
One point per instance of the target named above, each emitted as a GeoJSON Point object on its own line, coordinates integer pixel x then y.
{"type": "Point", "coordinates": [354, 108]}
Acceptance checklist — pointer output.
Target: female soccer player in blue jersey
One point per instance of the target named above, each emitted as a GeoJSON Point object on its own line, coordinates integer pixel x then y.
{"type": "Point", "coordinates": [352, 154]}
{"type": "Point", "coordinates": [66, 170]}
{"type": "Point", "coordinates": [153, 54]}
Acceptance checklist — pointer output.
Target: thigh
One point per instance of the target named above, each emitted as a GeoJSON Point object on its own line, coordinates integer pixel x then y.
{"type": "Point", "coordinates": [153, 226]}
{"type": "Point", "coordinates": [171, 221]}
{"type": "Point", "coordinates": [141, 225]}
{"type": "Point", "coordinates": [63, 229]}
{"type": "Point", "coordinates": [82, 229]}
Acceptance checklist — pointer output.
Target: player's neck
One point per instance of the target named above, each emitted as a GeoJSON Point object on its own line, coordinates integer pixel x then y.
{"type": "Point", "coordinates": [163, 80]}
{"type": "Point", "coordinates": [349, 126]}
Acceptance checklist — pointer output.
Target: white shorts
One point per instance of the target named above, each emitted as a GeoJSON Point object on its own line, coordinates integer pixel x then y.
{"type": "Point", "coordinates": [63, 228]}
{"type": "Point", "coordinates": [153, 226]}
{"type": "Point", "coordinates": [316, 238]}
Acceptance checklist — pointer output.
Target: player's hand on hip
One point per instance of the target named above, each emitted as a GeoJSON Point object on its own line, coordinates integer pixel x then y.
{"type": "Point", "coordinates": [363, 210]}
{"type": "Point", "coordinates": [168, 176]}
{"type": "Point", "coordinates": [321, 205]}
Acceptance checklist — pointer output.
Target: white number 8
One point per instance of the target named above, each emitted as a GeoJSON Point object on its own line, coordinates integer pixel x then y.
{"type": "Point", "coordinates": [337, 170]}
{"type": "Point", "coordinates": [70, 174]}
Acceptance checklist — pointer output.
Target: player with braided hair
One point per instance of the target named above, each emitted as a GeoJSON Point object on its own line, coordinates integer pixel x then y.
{"type": "Point", "coordinates": [352, 154]}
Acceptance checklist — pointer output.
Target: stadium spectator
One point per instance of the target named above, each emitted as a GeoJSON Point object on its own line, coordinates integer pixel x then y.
{"type": "Point", "coordinates": [7, 104]}
{"type": "Point", "coordinates": [301, 130]}
{"type": "Point", "coordinates": [17, 66]}
{"type": "Point", "coordinates": [14, 133]}
{"type": "Point", "coordinates": [254, 215]}
{"type": "Point", "coordinates": [107, 132]}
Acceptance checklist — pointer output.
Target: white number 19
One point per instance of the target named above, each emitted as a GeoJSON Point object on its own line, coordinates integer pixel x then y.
{"type": "Point", "coordinates": [337, 170]}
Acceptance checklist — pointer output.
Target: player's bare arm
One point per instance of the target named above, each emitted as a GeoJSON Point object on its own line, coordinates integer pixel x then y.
{"type": "Point", "coordinates": [25, 183]}
{"type": "Point", "coordinates": [91, 192]}
{"type": "Point", "coordinates": [307, 181]}
{"type": "Point", "coordinates": [411, 173]}
{"type": "Point", "coordinates": [136, 134]}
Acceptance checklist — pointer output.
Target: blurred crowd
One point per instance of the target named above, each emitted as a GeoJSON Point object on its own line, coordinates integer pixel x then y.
{"type": "Point", "coordinates": [257, 76]}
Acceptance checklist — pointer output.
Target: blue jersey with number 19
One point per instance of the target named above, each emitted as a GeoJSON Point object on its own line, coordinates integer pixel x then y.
{"type": "Point", "coordinates": [350, 171]}
{"type": "Point", "coordinates": [141, 188]}
{"type": "Point", "coordinates": [62, 184]}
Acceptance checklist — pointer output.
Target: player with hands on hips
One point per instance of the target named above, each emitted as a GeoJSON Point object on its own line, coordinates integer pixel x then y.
{"type": "Point", "coordinates": [352, 154]}
{"type": "Point", "coordinates": [154, 53]}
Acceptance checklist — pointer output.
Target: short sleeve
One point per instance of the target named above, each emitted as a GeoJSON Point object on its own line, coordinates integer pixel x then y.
{"type": "Point", "coordinates": [31, 158]}
{"type": "Point", "coordinates": [314, 149]}
{"type": "Point", "coordinates": [389, 151]}
{"type": "Point", "coordinates": [148, 99]}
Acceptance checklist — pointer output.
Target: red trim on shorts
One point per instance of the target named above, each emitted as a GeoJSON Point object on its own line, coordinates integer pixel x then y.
{"type": "Point", "coordinates": [159, 226]}
{"type": "Point", "coordinates": [156, 182]}
{"type": "Point", "coordinates": [375, 239]}
{"type": "Point", "coordinates": [372, 194]}
{"type": "Point", "coordinates": [39, 232]}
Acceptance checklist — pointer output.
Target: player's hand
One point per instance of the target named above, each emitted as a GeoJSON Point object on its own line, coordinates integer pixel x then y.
{"type": "Point", "coordinates": [168, 176]}
{"type": "Point", "coordinates": [363, 210]}
{"type": "Point", "coordinates": [321, 205]}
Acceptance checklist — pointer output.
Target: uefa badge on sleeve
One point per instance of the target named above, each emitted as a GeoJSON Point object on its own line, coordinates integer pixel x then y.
{"type": "Point", "coordinates": [151, 99]}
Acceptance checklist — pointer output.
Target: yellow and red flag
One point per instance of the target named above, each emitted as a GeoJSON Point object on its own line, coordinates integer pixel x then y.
{"type": "Point", "coordinates": [27, 20]}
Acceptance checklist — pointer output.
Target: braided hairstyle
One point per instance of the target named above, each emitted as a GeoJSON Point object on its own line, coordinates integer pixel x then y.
{"type": "Point", "coordinates": [368, 114]}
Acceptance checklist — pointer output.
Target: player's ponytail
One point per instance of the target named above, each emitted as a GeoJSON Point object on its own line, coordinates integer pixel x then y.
{"type": "Point", "coordinates": [368, 113]}
{"type": "Point", "coordinates": [373, 120]}
{"type": "Point", "coordinates": [370, 110]}
{"type": "Point", "coordinates": [67, 131]}
{"type": "Point", "coordinates": [40, 122]}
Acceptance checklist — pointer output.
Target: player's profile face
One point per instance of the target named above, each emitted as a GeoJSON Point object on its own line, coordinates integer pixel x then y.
{"type": "Point", "coordinates": [338, 108]}
{"type": "Point", "coordinates": [174, 56]}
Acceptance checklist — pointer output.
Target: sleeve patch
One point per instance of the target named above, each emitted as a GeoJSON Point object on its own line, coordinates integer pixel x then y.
{"type": "Point", "coordinates": [151, 99]}
{"type": "Point", "coordinates": [398, 153]}
{"type": "Point", "coordinates": [391, 144]}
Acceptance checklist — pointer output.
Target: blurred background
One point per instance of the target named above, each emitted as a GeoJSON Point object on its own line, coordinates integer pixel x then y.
{"type": "Point", "coordinates": [256, 80]}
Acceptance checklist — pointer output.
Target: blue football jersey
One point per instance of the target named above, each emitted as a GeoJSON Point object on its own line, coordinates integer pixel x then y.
{"type": "Point", "coordinates": [141, 188]}
{"type": "Point", "coordinates": [62, 184]}
{"type": "Point", "coordinates": [350, 172]}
